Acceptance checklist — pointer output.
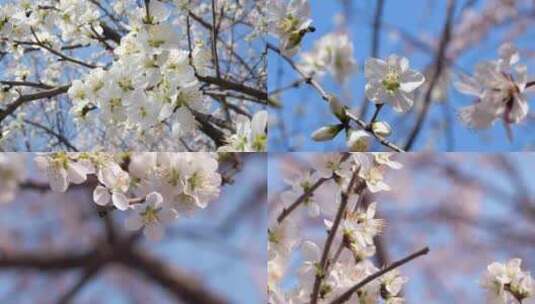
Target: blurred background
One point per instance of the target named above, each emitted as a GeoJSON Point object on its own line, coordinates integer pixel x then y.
{"type": "Point", "coordinates": [48, 244]}
{"type": "Point", "coordinates": [411, 28]}
{"type": "Point", "coordinates": [470, 209]}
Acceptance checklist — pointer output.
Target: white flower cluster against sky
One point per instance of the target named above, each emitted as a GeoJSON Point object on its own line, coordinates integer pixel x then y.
{"type": "Point", "coordinates": [141, 117]}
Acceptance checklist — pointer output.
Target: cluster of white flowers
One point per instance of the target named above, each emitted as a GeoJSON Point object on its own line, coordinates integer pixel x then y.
{"type": "Point", "coordinates": [250, 135]}
{"type": "Point", "coordinates": [131, 72]}
{"type": "Point", "coordinates": [155, 188]}
{"type": "Point", "coordinates": [332, 53]}
{"type": "Point", "coordinates": [507, 283]}
{"type": "Point", "coordinates": [289, 21]}
{"type": "Point", "coordinates": [499, 87]}
{"type": "Point", "coordinates": [77, 21]}
{"type": "Point", "coordinates": [357, 230]}
{"type": "Point", "coordinates": [151, 83]}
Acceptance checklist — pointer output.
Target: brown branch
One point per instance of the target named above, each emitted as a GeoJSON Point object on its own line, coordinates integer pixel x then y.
{"type": "Point", "coordinates": [25, 84]}
{"type": "Point", "coordinates": [323, 266]}
{"type": "Point", "coordinates": [229, 85]}
{"type": "Point", "coordinates": [54, 262]}
{"type": "Point", "coordinates": [86, 277]}
{"type": "Point", "coordinates": [182, 286]}
{"type": "Point", "coordinates": [286, 211]}
{"type": "Point", "coordinates": [30, 97]}
{"type": "Point", "coordinates": [327, 97]}
{"type": "Point", "coordinates": [61, 138]}
{"type": "Point", "coordinates": [346, 295]}
{"type": "Point", "coordinates": [437, 71]}
{"type": "Point", "coordinates": [59, 54]}
{"type": "Point", "coordinates": [214, 40]}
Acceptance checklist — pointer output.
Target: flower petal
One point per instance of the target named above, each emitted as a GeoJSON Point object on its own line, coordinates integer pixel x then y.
{"type": "Point", "coordinates": [410, 80]}
{"type": "Point", "coordinates": [101, 196]}
{"type": "Point", "coordinates": [119, 200]}
{"type": "Point", "coordinates": [402, 102]}
{"type": "Point", "coordinates": [375, 68]}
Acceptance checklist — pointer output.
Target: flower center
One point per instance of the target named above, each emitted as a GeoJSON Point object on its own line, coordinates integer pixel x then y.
{"type": "Point", "coordinates": [150, 215]}
{"type": "Point", "coordinates": [289, 24]}
{"type": "Point", "coordinates": [391, 82]}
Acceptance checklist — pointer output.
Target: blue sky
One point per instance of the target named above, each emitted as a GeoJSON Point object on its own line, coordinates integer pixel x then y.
{"type": "Point", "coordinates": [422, 19]}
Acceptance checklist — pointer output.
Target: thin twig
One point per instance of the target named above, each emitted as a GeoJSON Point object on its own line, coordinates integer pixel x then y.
{"type": "Point", "coordinates": [321, 272]}
{"type": "Point", "coordinates": [437, 71]}
{"type": "Point", "coordinates": [346, 295]}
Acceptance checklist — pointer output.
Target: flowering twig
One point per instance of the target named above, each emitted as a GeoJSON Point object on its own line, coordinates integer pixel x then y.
{"type": "Point", "coordinates": [320, 274]}
{"type": "Point", "coordinates": [327, 97]}
{"type": "Point", "coordinates": [346, 295]}
{"type": "Point", "coordinates": [286, 211]}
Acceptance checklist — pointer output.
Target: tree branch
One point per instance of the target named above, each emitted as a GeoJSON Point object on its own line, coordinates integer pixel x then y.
{"type": "Point", "coordinates": [439, 65]}
{"type": "Point", "coordinates": [179, 284]}
{"type": "Point", "coordinates": [346, 295]}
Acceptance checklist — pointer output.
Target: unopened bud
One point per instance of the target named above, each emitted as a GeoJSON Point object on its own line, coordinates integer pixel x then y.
{"type": "Point", "coordinates": [381, 128]}
{"type": "Point", "coordinates": [338, 109]}
{"type": "Point", "coordinates": [358, 141]}
{"type": "Point", "coordinates": [326, 133]}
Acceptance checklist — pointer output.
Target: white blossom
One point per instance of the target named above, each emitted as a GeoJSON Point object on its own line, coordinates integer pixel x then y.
{"type": "Point", "coordinates": [151, 215]}
{"type": "Point", "coordinates": [499, 88]}
{"type": "Point", "coordinates": [289, 21]}
{"type": "Point", "coordinates": [61, 170]}
{"type": "Point", "coordinates": [392, 81]}
{"type": "Point", "coordinates": [332, 53]}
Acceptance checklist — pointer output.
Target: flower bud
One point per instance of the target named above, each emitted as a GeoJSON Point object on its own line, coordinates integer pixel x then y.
{"type": "Point", "coordinates": [358, 141]}
{"type": "Point", "coordinates": [337, 108]}
{"type": "Point", "coordinates": [326, 133]}
{"type": "Point", "coordinates": [381, 128]}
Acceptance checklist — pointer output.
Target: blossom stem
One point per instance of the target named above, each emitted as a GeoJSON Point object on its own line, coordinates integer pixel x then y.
{"type": "Point", "coordinates": [323, 267]}
{"type": "Point", "coordinates": [327, 97]}
{"type": "Point", "coordinates": [286, 211]}
{"type": "Point", "coordinates": [378, 108]}
{"type": "Point", "coordinates": [346, 295]}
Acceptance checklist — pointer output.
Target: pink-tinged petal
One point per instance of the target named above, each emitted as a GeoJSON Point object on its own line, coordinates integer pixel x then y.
{"type": "Point", "coordinates": [154, 232]}
{"type": "Point", "coordinates": [477, 116]}
{"type": "Point", "coordinates": [521, 76]}
{"type": "Point", "coordinates": [519, 110]}
{"type": "Point", "coordinates": [509, 53]}
{"type": "Point", "coordinates": [468, 85]}
{"type": "Point", "coordinates": [133, 222]}
{"type": "Point", "coordinates": [101, 196]}
{"type": "Point", "coordinates": [119, 200]}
